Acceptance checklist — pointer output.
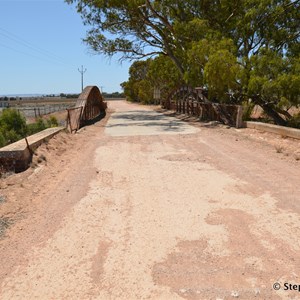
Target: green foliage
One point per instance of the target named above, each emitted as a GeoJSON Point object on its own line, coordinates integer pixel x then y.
{"type": "Point", "coordinates": [145, 76]}
{"type": "Point", "coordinates": [247, 48]}
{"type": "Point", "coordinates": [11, 119]}
{"type": "Point", "coordinates": [164, 74]}
{"type": "Point", "coordinates": [248, 107]}
{"type": "Point", "coordinates": [275, 78]}
{"type": "Point", "coordinates": [295, 121]}
{"type": "Point", "coordinates": [52, 122]}
{"type": "Point", "coordinates": [138, 88]}
{"type": "Point", "coordinates": [38, 126]}
{"type": "Point", "coordinates": [42, 124]}
{"type": "Point", "coordinates": [113, 95]}
{"type": "Point", "coordinates": [69, 96]}
{"type": "Point", "coordinates": [144, 92]}
{"type": "Point", "coordinates": [13, 126]}
{"type": "Point", "coordinates": [2, 139]}
{"type": "Point", "coordinates": [12, 136]}
{"type": "Point", "coordinates": [220, 74]}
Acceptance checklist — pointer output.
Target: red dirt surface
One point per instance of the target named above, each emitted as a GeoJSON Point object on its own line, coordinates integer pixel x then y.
{"type": "Point", "coordinates": [185, 212]}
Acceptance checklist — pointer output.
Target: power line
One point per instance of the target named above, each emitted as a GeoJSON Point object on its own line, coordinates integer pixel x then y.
{"type": "Point", "coordinates": [82, 72]}
{"type": "Point", "coordinates": [22, 41]}
{"type": "Point", "coordinates": [28, 54]}
{"type": "Point", "coordinates": [29, 45]}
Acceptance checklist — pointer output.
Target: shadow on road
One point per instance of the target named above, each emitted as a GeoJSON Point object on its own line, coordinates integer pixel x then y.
{"type": "Point", "coordinates": [147, 119]}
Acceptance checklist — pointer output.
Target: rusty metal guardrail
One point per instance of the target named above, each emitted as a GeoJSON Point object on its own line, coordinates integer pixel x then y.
{"type": "Point", "coordinates": [89, 106]}
{"type": "Point", "coordinates": [73, 119]}
{"type": "Point", "coordinates": [227, 114]}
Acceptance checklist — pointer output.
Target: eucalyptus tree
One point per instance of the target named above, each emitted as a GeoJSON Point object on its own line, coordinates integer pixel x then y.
{"type": "Point", "coordinates": [135, 28]}
{"type": "Point", "coordinates": [222, 44]}
{"type": "Point", "coordinates": [138, 88]}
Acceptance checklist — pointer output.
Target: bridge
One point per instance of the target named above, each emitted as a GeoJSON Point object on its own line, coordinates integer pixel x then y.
{"type": "Point", "coordinates": [90, 105]}
{"type": "Point", "coordinates": [143, 205]}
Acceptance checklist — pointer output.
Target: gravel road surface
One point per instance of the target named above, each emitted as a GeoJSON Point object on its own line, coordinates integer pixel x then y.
{"type": "Point", "coordinates": [142, 205]}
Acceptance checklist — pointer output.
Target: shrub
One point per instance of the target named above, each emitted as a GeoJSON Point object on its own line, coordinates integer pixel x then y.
{"type": "Point", "coordinates": [3, 141]}
{"type": "Point", "coordinates": [52, 122]}
{"type": "Point", "coordinates": [41, 124]}
{"type": "Point", "coordinates": [295, 121]}
{"type": "Point", "coordinates": [13, 126]}
{"type": "Point", "coordinates": [38, 126]}
{"type": "Point", "coordinates": [12, 136]}
{"type": "Point", "coordinates": [248, 107]}
{"type": "Point", "coordinates": [11, 119]}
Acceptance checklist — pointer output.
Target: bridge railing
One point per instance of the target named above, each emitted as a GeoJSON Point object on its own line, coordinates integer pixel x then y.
{"type": "Point", "coordinates": [73, 119]}
{"type": "Point", "coordinates": [89, 106]}
{"type": "Point", "coordinates": [228, 114]}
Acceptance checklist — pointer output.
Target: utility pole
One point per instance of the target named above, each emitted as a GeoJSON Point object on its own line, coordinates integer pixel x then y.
{"type": "Point", "coordinates": [81, 72]}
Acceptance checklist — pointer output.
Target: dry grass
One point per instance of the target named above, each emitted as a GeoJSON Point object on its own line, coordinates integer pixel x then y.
{"type": "Point", "coordinates": [4, 224]}
{"type": "Point", "coordinates": [279, 149]}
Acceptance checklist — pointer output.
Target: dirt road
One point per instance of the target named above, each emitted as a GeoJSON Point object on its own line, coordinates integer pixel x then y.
{"type": "Point", "coordinates": [144, 206]}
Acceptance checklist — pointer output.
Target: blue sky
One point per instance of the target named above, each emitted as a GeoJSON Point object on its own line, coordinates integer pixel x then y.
{"type": "Point", "coordinates": [41, 50]}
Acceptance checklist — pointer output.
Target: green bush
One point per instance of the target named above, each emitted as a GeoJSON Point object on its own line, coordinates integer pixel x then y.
{"type": "Point", "coordinates": [41, 124]}
{"type": "Point", "coordinates": [248, 107]}
{"type": "Point", "coordinates": [52, 122]}
{"type": "Point", "coordinates": [13, 126]}
{"type": "Point", "coordinates": [38, 126]}
{"type": "Point", "coordinates": [11, 119]}
{"type": "Point", "coordinates": [3, 141]}
{"type": "Point", "coordinates": [295, 121]}
{"type": "Point", "coordinates": [12, 136]}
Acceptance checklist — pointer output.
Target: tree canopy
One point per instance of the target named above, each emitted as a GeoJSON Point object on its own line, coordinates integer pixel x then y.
{"type": "Point", "coordinates": [247, 48]}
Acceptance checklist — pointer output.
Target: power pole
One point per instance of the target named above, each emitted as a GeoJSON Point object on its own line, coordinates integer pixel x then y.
{"type": "Point", "coordinates": [81, 72]}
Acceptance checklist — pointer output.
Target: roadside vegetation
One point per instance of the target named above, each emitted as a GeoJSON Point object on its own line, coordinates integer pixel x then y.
{"type": "Point", "coordinates": [13, 126]}
{"type": "Point", "coordinates": [242, 52]}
